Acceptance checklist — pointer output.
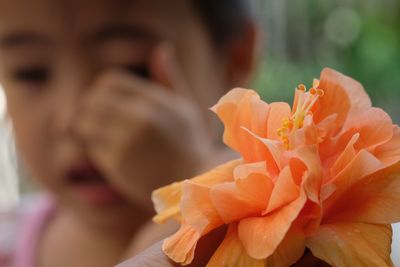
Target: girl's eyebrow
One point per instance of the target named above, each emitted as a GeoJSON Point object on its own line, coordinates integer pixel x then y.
{"type": "Point", "coordinates": [122, 31]}
{"type": "Point", "coordinates": [18, 39]}
{"type": "Point", "coordinates": [107, 33]}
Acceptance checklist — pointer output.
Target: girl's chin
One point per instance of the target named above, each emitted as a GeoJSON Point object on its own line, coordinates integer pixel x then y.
{"type": "Point", "coordinates": [96, 194]}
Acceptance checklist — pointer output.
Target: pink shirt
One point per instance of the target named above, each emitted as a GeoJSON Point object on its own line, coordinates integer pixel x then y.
{"type": "Point", "coordinates": [21, 230]}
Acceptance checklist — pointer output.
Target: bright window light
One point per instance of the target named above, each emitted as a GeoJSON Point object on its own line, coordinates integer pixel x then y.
{"type": "Point", "coordinates": [2, 102]}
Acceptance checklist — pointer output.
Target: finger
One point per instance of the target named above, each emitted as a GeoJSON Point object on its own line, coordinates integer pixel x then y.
{"type": "Point", "coordinates": [154, 257]}
{"type": "Point", "coordinates": [105, 122]}
{"type": "Point", "coordinates": [151, 257]}
{"type": "Point", "coordinates": [165, 69]}
{"type": "Point", "coordinates": [119, 86]}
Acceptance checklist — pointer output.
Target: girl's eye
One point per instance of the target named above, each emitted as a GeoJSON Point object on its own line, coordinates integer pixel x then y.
{"type": "Point", "coordinates": [32, 75]}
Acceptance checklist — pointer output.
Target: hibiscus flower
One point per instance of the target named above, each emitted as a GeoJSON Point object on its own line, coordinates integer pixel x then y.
{"type": "Point", "coordinates": [323, 174]}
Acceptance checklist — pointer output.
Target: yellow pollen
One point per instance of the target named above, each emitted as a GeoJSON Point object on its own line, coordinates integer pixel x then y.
{"type": "Point", "coordinates": [302, 87]}
{"type": "Point", "coordinates": [313, 91]}
{"type": "Point", "coordinates": [304, 102]}
{"type": "Point", "coordinates": [285, 142]}
{"type": "Point", "coordinates": [287, 124]}
{"type": "Point", "coordinates": [281, 131]}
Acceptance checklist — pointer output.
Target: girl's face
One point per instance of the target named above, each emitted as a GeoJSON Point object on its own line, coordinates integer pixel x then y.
{"type": "Point", "coordinates": [51, 52]}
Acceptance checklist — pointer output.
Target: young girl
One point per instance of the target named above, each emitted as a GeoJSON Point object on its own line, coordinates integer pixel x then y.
{"type": "Point", "coordinates": [108, 101]}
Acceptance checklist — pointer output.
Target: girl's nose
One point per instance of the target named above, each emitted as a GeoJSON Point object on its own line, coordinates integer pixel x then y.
{"type": "Point", "coordinates": [68, 100]}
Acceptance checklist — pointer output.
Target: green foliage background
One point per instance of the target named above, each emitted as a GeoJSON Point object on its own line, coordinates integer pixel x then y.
{"type": "Point", "coordinates": [359, 38]}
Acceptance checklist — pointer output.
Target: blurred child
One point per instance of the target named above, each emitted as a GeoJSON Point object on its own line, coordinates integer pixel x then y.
{"type": "Point", "coordinates": [109, 100]}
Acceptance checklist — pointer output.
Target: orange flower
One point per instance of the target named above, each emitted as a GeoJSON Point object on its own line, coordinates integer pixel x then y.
{"type": "Point", "coordinates": [324, 174]}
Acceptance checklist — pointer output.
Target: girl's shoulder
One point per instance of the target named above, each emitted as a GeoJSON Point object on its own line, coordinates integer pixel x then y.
{"type": "Point", "coordinates": [396, 244]}
{"type": "Point", "coordinates": [9, 224]}
{"type": "Point", "coordinates": [11, 221]}
{"type": "Point", "coordinates": [20, 224]}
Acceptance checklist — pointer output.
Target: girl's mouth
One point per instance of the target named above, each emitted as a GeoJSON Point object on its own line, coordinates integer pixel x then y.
{"type": "Point", "coordinates": [89, 185]}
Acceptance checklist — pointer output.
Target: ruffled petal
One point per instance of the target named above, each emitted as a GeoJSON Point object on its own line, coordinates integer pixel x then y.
{"type": "Point", "coordinates": [360, 167]}
{"type": "Point", "coordinates": [262, 235]}
{"type": "Point", "coordinates": [243, 108]}
{"type": "Point", "coordinates": [389, 153]}
{"type": "Point", "coordinates": [166, 202]}
{"type": "Point", "coordinates": [309, 218]}
{"type": "Point", "coordinates": [278, 112]}
{"type": "Point", "coordinates": [352, 244]}
{"type": "Point", "coordinates": [307, 135]}
{"type": "Point", "coordinates": [356, 93]}
{"type": "Point", "coordinates": [345, 157]}
{"type": "Point", "coordinates": [342, 96]}
{"type": "Point", "coordinates": [244, 197]}
{"type": "Point", "coordinates": [289, 251]}
{"type": "Point", "coordinates": [374, 126]}
{"type": "Point", "coordinates": [285, 191]}
{"type": "Point", "coordinates": [275, 150]}
{"type": "Point", "coordinates": [198, 209]}
{"type": "Point", "coordinates": [167, 199]}
{"type": "Point", "coordinates": [335, 100]}
{"type": "Point", "coordinates": [374, 199]}
{"type": "Point", "coordinates": [231, 253]}
{"type": "Point", "coordinates": [305, 163]}
{"type": "Point", "coordinates": [180, 247]}
{"type": "Point", "coordinates": [244, 170]}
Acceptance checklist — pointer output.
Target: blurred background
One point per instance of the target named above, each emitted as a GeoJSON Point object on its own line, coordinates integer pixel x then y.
{"type": "Point", "coordinates": [360, 38]}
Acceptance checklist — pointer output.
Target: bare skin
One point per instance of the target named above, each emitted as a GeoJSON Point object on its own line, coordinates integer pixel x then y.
{"type": "Point", "coordinates": [125, 86]}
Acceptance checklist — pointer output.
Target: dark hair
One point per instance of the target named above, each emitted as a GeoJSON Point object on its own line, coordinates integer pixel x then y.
{"type": "Point", "coordinates": [225, 19]}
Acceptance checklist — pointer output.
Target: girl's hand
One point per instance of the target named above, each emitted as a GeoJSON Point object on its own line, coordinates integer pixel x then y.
{"type": "Point", "coordinates": [144, 133]}
{"type": "Point", "coordinates": [151, 257]}
{"type": "Point", "coordinates": [154, 257]}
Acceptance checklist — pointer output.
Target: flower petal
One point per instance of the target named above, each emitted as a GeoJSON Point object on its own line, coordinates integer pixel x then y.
{"type": "Point", "coordinates": [243, 108]}
{"type": "Point", "coordinates": [306, 158]}
{"type": "Point", "coordinates": [309, 218]}
{"type": "Point", "coordinates": [244, 170]}
{"type": "Point", "coordinates": [180, 247]}
{"type": "Point", "coordinates": [342, 95]}
{"type": "Point", "coordinates": [307, 135]}
{"type": "Point", "coordinates": [374, 199]}
{"type": "Point", "coordinates": [167, 199]}
{"type": "Point", "coordinates": [360, 167]}
{"type": "Point", "coordinates": [261, 236]}
{"type": "Point", "coordinates": [374, 126]}
{"type": "Point", "coordinates": [166, 202]}
{"type": "Point", "coordinates": [345, 157]}
{"type": "Point", "coordinates": [327, 125]}
{"type": "Point", "coordinates": [359, 98]}
{"type": "Point", "coordinates": [278, 112]}
{"type": "Point", "coordinates": [389, 153]}
{"type": "Point", "coordinates": [352, 244]}
{"type": "Point", "coordinates": [198, 209]}
{"type": "Point", "coordinates": [289, 251]}
{"type": "Point", "coordinates": [231, 253]}
{"type": "Point", "coordinates": [335, 100]}
{"type": "Point", "coordinates": [244, 197]}
{"type": "Point", "coordinates": [275, 149]}
{"type": "Point", "coordinates": [285, 191]}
